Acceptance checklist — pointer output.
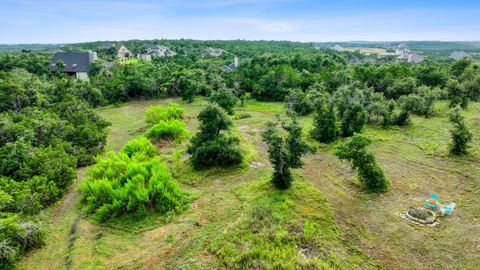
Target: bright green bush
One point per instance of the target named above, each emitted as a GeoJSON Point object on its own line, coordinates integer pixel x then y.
{"type": "Point", "coordinates": [135, 185]}
{"type": "Point", "coordinates": [173, 128]}
{"type": "Point", "coordinates": [140, 145]}
{"type": "Point", "coordinates": [155, 114]}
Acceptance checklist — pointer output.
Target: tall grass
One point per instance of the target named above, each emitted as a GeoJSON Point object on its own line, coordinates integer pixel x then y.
{"type": "Point", "coordinates": [173, 128]}
{"type": "Point", "coordinates": [156, 114]}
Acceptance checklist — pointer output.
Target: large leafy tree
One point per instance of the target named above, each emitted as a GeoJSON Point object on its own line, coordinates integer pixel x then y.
{"type": "Point", "coordinates": [225, 99]}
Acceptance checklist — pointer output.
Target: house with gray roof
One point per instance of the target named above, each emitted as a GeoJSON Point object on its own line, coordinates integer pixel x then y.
{"type": "Point", "coordinates": [74, 63]}
{"type": "Point", "coordinates": [459, 55]}
{"type": "Point", "coordinates": [155, 50]}
{"type": "Point", "coordinates": [215, 52]}
{"type": "Point", "coordinates": [413, 58]}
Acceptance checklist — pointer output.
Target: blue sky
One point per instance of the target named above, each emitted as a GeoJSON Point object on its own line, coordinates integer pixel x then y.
{"type": "Point", "coordinates": [60, 21]}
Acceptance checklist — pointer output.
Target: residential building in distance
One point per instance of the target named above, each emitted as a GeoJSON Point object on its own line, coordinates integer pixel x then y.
{"type": "Point", "coordinates": [412, 58]}
{"type": "Point", "coordinates": [155, 50]}
{"type": "Point", "coordinates": [214, 51]}
{"type": "Point", "coordinates": [75, 63]}
{"type": "Point", "coordinates": [459, 55]}
{"type": "Point", "coordinates": [232, 66]}
{"type": "Point", "coordinates": [122, 51]}
{"type": "Point", "coordinates": [402, 49]}
{"type": "Point", "coordinates": [337, 48]}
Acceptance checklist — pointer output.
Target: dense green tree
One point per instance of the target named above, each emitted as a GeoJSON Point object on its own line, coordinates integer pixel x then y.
{"type": "Point", "coordinates": [325, 122]}
{"type": "Point", "coordinates": [355, 151]}
{"type": "Point", "coordinates": [351, 107]}
{"type": "Point", "coordinates": [275, 84]}
{"type": "Point", "coordinates": [279, 157]}
{"type": "Point", "coordinates": [457, 94]}
{"type": "Point", "coordinates": [458, 67]}
{"type": "Point", "coordinates": [285, 153]}
{"type": "Point", "coordinates": [224, 98]}
{"type": "Point", "coordinates": [401, 87]}
{"type": "Point", "coordinates": [214, 145]}
{"type": "Point", "coordinates": [298, 102]}
{"type": "Point", "coordinates": [461, 136]}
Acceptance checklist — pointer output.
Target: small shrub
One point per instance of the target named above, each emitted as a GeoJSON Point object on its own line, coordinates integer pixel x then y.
{"type": "Point", "coordinates": [461, 136]}
{"type": "Point", "coordinates": [121, 185]}
{"type": "Point", "coordinates": [239, 116]}
{"type": "Point", "coordinates": [133, 182]}
{"type": "Point", "coordinates": [213, 145]}
{"type": "Point", "coordinates": [370, 175]}
{"type": "Point", "coordinates": [173, 128]}
{"type": "Point", "coordinates": [16, 237]}
{"type": "Point", "coordinates": [220, 152]}
{"type": "Point", "coordinates": [140, 145]}
{"type": "Point", "coordinates": [155, 114]}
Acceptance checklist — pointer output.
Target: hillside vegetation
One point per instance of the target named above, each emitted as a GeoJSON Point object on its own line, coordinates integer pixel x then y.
{"type": "Point", "coordinates": [297, 159]}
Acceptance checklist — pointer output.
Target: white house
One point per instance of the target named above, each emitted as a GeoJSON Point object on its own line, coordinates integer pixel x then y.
{"type": "Point", "coordinates": [402, 49]}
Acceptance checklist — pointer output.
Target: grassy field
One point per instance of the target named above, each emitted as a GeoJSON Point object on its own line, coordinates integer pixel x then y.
{"type": "Point", "coordinates": [237, 220]}
{"type": "Point", "coordinates": [369, 51]}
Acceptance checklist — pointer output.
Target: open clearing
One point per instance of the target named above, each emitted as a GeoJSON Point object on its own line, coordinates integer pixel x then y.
{"type": "Point", "coordinates": [358, 229]}
{"type": "Point", "coordinates": [368, 51]}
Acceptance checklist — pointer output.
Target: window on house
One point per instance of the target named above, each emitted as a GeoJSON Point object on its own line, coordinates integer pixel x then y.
{"type": "Point", "coordinates": [74, 65]}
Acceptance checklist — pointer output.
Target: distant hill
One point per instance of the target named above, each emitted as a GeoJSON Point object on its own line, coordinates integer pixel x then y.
{"type": "Point", "coordinates": [31, 47]}
{"type": "Point", "coordinates": [438, 49]}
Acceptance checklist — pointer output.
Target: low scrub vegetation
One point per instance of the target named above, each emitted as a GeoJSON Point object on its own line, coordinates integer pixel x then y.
{"type": "Point", "coordinates": [131, 184]}
{"type": "Point", "coordinates": [16, 237]}
{"type": "Point", "coordinates": [273, 233]}
{"type": "Point", "coordinates": [156, 114]}
{"type": "Point", "coordinates": [170, 129]}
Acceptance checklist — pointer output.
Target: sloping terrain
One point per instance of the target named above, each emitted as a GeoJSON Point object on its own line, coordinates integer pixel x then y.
{"type": "Point", "coordinates": [237, 220]}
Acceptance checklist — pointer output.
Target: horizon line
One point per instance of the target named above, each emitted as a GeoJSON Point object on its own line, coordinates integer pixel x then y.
{"type": "Point", "coordinates": [259, 40]}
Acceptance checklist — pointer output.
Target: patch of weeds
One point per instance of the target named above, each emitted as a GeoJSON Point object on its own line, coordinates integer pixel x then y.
{"type": "Point", "coordinates": [170, 238]}
{"type": "Point", "coordinates": [239, 116]}
{"type": "Point", "coordinates": [290, 229]}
